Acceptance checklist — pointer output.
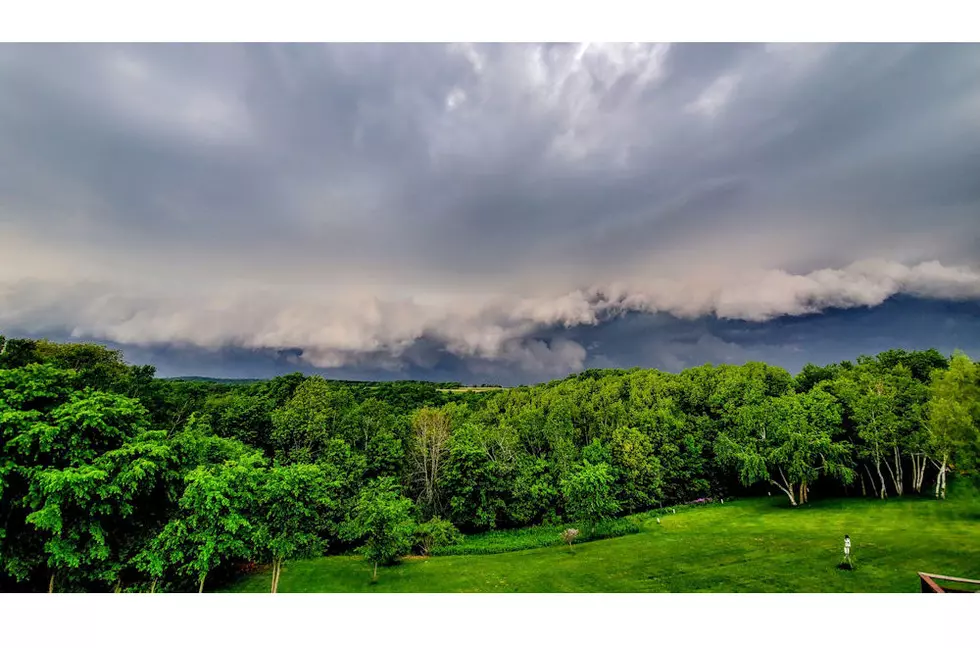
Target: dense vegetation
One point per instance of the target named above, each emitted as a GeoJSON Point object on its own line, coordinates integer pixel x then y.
{"type": "Point", "coordinates": [113, 479]}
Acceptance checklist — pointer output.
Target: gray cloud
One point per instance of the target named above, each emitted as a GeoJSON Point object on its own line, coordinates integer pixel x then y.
{"type": "Point", "coordinates": [386, 206]}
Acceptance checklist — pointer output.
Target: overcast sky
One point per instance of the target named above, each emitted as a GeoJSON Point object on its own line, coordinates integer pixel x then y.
{"type": "Point", "coordinates": [490, 213]}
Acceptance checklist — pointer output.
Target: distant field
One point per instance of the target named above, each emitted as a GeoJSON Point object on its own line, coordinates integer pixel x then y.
{"type": "Point", "coordinates": [755, 545]}
{"type": "Point", "coordinates": [471, 389]}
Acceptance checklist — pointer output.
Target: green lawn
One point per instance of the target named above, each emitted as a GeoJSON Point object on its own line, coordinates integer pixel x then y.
{"type": "Point", "coordinates": [755, 545]}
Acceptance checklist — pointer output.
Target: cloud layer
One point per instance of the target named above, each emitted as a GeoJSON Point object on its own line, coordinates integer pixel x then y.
{"type": "Point", "coordinates": [384, 207]}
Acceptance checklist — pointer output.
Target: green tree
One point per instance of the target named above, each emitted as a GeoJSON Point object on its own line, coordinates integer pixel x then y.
{"type": "Point", "coordinates": [315, 414]}
{"type": "Point", "coordinates": [788, 442]}
{"type": "Point", "coordinates": [470, 480]}
{"type": "Point", "coordinates": [292, 503]}
{"type": "Point", "coordinates": [431, 429]}
{"type": "Point", "coordinates": [953, 416]}
{"type": "Point", "coordinates": [588, 491]}
{"type": "Point", "coordinates": [638, 468]}
{"type": "Point", "coordinates": [215, 521]}
{"type": "Point", "coordinates": [382, 521]}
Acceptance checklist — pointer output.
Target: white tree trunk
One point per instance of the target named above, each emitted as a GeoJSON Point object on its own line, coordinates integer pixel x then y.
{"type": "Point", "coordinates": [874, 487]}
{"type": "Point", "coordinates": [786, 489]}
{"type": "Point", "coordinates": [881, 477]}
{"type": "Point", "coordinates": [897, 477]}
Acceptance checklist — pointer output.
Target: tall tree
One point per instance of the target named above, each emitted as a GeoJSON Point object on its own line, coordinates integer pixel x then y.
{"type": "Point", "coordinates": [431, 430]}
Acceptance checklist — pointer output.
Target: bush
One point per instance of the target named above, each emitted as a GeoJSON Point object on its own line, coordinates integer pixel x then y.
{"type": "Point", "coordinates": [435, 534]}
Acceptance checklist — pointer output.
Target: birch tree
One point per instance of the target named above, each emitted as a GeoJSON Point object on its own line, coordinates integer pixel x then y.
{"type": "Point", "coordinates": [953, 413]}
{"type": "Point", "coordinates": [431, 429]}
{"type": "Point", "coordinates": [788, 442]}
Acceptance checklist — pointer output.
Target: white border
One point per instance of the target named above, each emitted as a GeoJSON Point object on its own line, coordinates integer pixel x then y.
{"type": "Point", "coordinates": [501, 20]}
{"type": "Point", "coordinates": [800, 620]}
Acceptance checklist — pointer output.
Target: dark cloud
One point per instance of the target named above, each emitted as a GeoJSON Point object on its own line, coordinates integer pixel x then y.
{"type": "Point", "coordinates": [445, 209]}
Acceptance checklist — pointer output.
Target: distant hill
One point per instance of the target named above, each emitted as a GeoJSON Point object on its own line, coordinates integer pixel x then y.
{"type": "Point", "coordinates": [447, 386]}
{"type": "Point", "coordinates": [221, 381]}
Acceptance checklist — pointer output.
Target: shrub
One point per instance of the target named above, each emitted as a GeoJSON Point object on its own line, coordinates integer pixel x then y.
{"type": "Point", "coordinates": [436, 534]}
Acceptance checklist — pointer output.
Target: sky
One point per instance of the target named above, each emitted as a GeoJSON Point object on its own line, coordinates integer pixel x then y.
{"type": "Point", "coordinates": [490, 213]}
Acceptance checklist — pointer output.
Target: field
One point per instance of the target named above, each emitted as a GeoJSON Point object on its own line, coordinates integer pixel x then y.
{"type": "Point", "coordinates": [752, 545]}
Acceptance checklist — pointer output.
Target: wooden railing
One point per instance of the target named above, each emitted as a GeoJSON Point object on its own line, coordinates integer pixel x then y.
{"type": "Point", "coordinates": [930, 586]}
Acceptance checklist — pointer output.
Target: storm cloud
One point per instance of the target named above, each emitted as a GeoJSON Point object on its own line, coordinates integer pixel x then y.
{"type": "Point", "coordinates": [483, 210]}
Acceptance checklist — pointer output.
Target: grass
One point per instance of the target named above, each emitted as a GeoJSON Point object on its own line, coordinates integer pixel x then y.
{"type": "Point", "coordinates": [753, 545]}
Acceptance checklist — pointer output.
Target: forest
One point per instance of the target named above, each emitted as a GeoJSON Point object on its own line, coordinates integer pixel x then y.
{"type": "Point", "coordinates": [114, 480]}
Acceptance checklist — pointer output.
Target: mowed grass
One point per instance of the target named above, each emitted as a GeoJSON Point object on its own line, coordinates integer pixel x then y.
{"type": "Point", "coordinates": [753, 545]}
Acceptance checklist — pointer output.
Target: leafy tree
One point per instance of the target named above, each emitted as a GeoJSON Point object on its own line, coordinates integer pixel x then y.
{"type": "Point", "coordinates": [62, 485]}
{"type": "Point", "coordinates": [588, 491]}
{"type": "Point", "coordinates": [875, 406]}
{"type": "Point", "coordinates": [382, 521]}
{"type": "Point", "coordinates": [304, 426]}
{"type": "Point", "coordinates": [431, 429]}
{"type": "Point", "coordinates": [470, 479]}
{"type": "Point", "coordinates": [84, 511]}
{"type": "Point", "coordinates": [292, 503]}
{"type": "Point", "coordinates": [637, 466]}
{"type": "Point", "coordinates": [788, 442]}
{"type": "Point", "coordinates": [215, 522]}
{"type": "Point", "coordinates": [953, 416]}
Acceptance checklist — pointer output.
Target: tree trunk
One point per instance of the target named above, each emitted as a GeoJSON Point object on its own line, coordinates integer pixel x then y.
{"type": "Point", "coordinates": [874, 487]}
{"type": "Point", "coordinates": [118, 586]}
{"type": "Point", "coordinates": [921, 477]}
{"type": "Point", "coordinates": [276, 572]}
{"type": "Point", "coordinates": [941, 477]}
{"type": "Point", "coordinates": [51, 582]}
{"type": "Point", "coordinates": [788, 491]}
{"type": "Point", "coordinates": [864, 491]}
{"type": "Point", "coordinates": [200, 590]}
{"type": "Point", "coordinates": [375, 577]}
{"type": "Point", "coordinates": [896, 474]}
{"type": "Point", "coordinates": [153, 586]}
{"type": "Point", "coordinates": [884, 492]}
{"type": "Point", "coordinates": [900, 474]}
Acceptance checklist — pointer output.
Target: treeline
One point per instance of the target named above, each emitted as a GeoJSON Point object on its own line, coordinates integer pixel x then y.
{"type": "Point", "coordinates": [113, 479]}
